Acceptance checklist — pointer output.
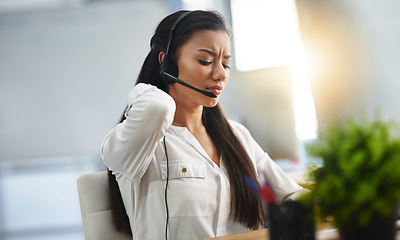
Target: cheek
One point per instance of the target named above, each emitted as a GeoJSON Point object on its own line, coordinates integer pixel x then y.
{"type": "Point", "coordinates": [193, 72]}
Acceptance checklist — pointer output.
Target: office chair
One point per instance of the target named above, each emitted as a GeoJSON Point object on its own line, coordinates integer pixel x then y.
{"type": "Point", "coordinates": [95, 208]}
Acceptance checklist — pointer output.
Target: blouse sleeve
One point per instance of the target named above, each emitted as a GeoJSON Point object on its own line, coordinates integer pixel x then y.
{"type": "Point", "coordinates": [129, 146]}
{"type": "Point", "coordinates": [284, 186]}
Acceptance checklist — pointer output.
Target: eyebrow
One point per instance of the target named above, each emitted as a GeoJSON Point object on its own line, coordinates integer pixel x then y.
{"type": "Point", "coordinates": [213, 53]}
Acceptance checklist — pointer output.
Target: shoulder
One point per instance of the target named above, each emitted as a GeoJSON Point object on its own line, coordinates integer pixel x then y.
{"type": "Point", "coordinates": [248, 142]}
{"type": "Point", "coordinates": [239, 129]}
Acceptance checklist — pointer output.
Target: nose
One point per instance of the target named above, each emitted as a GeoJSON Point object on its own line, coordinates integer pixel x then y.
{"type": "Point", "coordinates": [220, 73]}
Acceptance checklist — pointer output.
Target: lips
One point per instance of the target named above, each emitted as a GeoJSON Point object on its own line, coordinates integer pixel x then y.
{"type": "Point", "coordinates": [217, 90]}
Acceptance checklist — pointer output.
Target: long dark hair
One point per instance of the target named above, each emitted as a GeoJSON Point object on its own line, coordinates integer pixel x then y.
{"type": "Point", "coordinates": [246, 206]}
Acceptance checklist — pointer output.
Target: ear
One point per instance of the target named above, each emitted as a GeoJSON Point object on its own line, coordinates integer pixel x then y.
{"type": "Point", "coordinates": [161, 56]}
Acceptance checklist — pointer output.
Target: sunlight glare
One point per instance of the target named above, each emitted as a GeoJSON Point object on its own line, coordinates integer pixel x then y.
{"type": "Point", "coordinates": [263, 32]}
{"type": "Point", "coordinates": [266, 34]}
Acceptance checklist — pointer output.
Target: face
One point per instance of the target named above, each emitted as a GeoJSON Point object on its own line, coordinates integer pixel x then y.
{"type": "Point", "coordinates": [203, 62]}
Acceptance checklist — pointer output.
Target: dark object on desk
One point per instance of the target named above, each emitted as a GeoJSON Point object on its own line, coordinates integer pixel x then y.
{"type": "Point", "coordinates": [380, 227]}
{"type": "Point", "coordinates": [290, 221]}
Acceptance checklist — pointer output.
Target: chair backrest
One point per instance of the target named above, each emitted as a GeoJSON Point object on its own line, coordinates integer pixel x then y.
{"type": "Point", "coordinates": [94, 200]}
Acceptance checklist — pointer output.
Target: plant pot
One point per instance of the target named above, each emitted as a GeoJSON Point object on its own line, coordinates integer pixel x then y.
{"type": "Point", "coordinates": [382, 228]}
{"type": "Point", "coordinates": [290, 221]}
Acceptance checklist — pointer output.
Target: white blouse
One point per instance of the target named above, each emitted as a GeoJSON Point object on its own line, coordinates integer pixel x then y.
{"type": "Point", "coordinates": [198, 194]}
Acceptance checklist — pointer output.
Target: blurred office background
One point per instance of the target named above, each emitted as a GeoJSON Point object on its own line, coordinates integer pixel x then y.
{"type": "Point", "coordinates": [67, 66]}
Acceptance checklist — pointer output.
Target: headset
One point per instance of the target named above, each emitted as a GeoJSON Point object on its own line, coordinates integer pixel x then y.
{"type": "Point", "coordinates": [169, 68]}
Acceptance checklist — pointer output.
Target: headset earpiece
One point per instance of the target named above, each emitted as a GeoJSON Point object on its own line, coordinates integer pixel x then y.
{"type": "Point", "coordinates": [169, 66]}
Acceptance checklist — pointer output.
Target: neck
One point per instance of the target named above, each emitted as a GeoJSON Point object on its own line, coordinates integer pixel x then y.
{"type": "Point", "coordinates": [190, 118]}
{"type": "Point", "coordinates": [188, 112]}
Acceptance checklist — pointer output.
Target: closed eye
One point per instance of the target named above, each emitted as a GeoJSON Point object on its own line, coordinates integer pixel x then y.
{"type": "Point", "coordinates": [205, 63]}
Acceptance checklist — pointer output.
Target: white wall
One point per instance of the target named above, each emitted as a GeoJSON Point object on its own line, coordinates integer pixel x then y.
{"type": "Point", "coordinates": [65, 75]}
{"type": "Point", "coordinates": [381, 20]}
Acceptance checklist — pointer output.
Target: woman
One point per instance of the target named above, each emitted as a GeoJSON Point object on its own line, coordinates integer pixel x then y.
{"type": "Point", "coordinates": [179, 163]}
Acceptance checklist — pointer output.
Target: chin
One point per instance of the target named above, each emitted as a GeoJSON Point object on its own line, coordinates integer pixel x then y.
{"type": "Point", "coordinates": [211, 103]}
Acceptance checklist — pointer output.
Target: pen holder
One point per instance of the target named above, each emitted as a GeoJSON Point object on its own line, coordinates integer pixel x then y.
{"type": "Point", "coordinates": [290, 221]}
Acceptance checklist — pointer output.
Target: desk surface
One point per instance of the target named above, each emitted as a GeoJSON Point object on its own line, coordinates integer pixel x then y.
{"type": "Point", "coordinates": [325, 231]}
{"type": "Point", "coordinates": [253, 235]}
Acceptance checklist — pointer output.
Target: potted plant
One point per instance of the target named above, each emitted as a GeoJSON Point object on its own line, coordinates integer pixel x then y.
{"type": "Point", "coordinates": [358, 184]}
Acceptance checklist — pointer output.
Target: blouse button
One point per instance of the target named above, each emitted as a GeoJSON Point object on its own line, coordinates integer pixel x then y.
{"type": "Point", "coordinates": [184, 169]}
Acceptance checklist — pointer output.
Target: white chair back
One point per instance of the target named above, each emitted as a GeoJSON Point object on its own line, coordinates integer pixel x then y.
{"type": "Point", "coordinates": [95, 208]}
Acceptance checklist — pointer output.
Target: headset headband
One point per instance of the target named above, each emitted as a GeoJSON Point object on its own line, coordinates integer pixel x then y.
{"type": "Point", "coordinates": [171, 32]}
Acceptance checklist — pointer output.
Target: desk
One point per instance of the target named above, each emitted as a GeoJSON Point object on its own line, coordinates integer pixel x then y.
{"type": "Point", "coordinates": [252, 235]}
{"type": "Point", "coordinates": [263, 234]}
{"type": "Point", "coordinates": [325, 231]}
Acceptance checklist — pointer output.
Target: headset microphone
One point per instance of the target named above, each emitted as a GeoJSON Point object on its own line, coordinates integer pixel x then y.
{"type": "Point", "coordinates": [163, 68]}
{"type": "Point", "coordinates": [175, 79]}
